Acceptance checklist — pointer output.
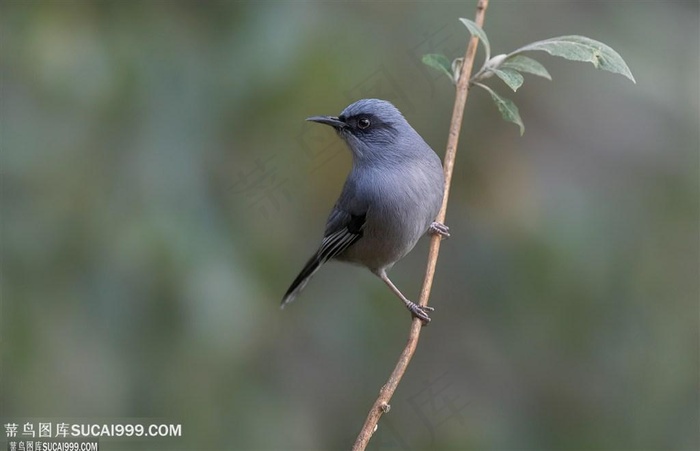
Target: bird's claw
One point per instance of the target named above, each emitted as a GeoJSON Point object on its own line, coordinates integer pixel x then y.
{"type": "Point", "coordinates": [420, 312]}
{"type": "Point", "coordinates": [438, 228]}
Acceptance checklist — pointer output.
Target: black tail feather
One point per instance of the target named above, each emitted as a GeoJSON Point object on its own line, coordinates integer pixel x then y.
{"type": "Point", "coordinates": [302, 279]}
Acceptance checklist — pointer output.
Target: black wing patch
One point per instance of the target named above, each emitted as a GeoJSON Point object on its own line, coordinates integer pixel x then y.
{"type": "Point", "coordinates": [336, 242]}
{"type": "Point", "coordinates": [332, 245]}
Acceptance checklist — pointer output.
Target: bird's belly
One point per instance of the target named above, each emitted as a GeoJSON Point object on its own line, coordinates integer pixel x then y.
{"type": "Point", "coordinates": [401, 206]}
{"type": "Point", "coordinates": [384, 242]}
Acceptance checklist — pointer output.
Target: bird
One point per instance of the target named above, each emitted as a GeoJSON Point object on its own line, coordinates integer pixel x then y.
{"type": "Point", "coordinates": [390, 198]}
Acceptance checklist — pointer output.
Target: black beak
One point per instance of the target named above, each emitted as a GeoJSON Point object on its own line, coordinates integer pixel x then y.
{"type": "Point", "coordinates": [328, 120]}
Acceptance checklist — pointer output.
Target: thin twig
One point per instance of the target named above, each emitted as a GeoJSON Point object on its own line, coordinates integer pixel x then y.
{"type": "Point", "coordinates": [381, 405]}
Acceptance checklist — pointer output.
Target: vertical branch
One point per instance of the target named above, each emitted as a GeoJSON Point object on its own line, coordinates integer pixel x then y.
{"type": "Point", "coordinates": [381, 405]}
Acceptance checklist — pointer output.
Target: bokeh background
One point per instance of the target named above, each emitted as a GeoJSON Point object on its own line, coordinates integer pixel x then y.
{"type": "Point", "coordinates": [160, 189]}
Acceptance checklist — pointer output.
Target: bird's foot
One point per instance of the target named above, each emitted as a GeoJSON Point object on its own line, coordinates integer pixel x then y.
{"type": "Point", "coordinates": [438, 228]}
{"type": "Point", "coordinates": [420, 311]}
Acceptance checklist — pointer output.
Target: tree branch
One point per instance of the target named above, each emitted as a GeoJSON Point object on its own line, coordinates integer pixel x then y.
{"type": "Point", "coordinates": [381, 405]}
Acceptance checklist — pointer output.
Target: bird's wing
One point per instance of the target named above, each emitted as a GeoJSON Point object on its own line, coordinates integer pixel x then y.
{"type": "Point", "coordinates": [344, 227]}
{"type": "Point", "coordinates": [342, 230]}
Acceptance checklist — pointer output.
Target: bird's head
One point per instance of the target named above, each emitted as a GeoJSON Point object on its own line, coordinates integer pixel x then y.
{"type": "Point", "coordinates": [372, 128]}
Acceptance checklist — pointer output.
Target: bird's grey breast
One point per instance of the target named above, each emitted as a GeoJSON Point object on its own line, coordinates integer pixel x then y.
{"type": "Point", "coordinates": [402, 199]}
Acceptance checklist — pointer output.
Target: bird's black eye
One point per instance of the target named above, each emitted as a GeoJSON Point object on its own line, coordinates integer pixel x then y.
{"type": "Point", "coordinates": [363, 123]}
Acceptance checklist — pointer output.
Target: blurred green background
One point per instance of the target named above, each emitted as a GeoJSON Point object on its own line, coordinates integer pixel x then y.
{"type": "Point", "coordinates": [160, 189]}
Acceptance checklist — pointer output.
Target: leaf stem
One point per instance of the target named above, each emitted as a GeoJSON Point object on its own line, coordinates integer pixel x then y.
{"type": "Point", "coordinates": [381, 404]}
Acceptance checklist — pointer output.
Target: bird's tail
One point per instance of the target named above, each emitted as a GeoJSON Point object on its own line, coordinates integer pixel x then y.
{"type": "Point", "coordinates": [313, 265]}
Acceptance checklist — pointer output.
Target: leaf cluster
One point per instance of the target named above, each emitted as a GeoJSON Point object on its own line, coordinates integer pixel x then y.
{"type": "Point", "coordinates": [511, 67]}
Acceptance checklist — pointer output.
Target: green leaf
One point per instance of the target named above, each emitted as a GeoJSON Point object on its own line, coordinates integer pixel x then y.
{"type": "Point", "coordinates": [508, 110]}
{"type": "Point", "coordinates": [476, 30]}
{"type": "Point", "coordinates": [439, 62]}
{"type": "Point", "coordinates": [525, 64]}
{"type": "Point", "coordinates": [511, 77]}
{"type": "Point", "coordinates": [581, 48]}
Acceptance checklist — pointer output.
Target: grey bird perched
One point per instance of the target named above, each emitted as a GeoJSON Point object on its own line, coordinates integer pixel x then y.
{"type": "Point", "coordinates": [390, 199]}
